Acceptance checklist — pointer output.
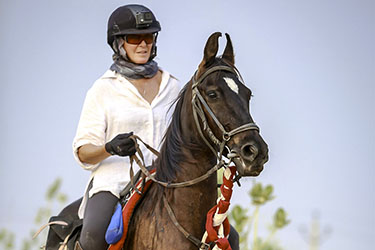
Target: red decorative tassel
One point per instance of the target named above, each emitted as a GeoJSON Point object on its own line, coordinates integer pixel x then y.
{"type": "Point", "coordinates": [220, 208]}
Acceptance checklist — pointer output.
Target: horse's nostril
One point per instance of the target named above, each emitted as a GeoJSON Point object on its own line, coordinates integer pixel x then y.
{"type": "Point", "coordinates": [249, 151]}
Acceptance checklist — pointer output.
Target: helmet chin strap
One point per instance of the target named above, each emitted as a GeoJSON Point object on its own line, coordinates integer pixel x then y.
{"type": "Point", "coordinates": [154, 48]}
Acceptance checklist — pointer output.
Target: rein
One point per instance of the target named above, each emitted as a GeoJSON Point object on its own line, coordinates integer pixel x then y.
{"type": "Point", "coordinates": [141, 163]}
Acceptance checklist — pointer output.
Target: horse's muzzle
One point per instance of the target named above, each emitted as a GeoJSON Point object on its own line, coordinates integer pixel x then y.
{"type": "Point", "coordinates": [251, 158]}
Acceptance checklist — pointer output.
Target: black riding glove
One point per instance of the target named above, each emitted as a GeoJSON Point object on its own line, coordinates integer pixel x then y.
{"type": "Point", "coordinates": [121, 145]}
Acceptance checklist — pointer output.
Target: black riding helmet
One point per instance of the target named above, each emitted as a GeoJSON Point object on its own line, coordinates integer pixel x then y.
{"type": "Point", "coordinates": [132, 19]}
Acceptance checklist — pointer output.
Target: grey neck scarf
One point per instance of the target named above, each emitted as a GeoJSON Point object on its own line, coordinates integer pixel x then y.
{"type": "Point", "coordinates": [122, 65]}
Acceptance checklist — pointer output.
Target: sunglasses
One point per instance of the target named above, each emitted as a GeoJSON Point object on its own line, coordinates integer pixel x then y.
{"type": "Point", "coordinates": [138, 38]}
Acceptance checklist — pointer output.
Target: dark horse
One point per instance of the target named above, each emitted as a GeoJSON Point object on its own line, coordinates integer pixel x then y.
{"type": "Point", "coordinates": [191, 148]}
{"type": "Point", "coordinates": [185, 155]}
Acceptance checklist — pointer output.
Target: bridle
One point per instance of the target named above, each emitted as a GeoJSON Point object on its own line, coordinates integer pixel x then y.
{"type": "Point", "coordinates": [198, 113]}
{"type": "Point", "coordinates": [198, 101]}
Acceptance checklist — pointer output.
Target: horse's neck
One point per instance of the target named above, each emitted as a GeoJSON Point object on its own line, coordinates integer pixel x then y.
{"type": "Point", "coordinates": [192, 203]}
{"type": "Point", "coordinates": [198, 160]}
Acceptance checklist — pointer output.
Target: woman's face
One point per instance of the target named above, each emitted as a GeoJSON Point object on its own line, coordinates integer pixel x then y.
{"type": "Point", "coordinates": [138, 47]}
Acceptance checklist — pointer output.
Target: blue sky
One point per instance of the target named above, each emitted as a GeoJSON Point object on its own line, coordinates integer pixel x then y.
{"type": "Point", "coordinates": [310, 65]}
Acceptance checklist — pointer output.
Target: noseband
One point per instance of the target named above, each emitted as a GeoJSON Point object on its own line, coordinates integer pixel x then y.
{"type": "Point", "coordinates": [198, 101]}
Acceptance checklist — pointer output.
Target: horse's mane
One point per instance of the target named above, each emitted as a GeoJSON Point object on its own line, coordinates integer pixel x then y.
{"type": "Point", "coordinates": [171, 154]}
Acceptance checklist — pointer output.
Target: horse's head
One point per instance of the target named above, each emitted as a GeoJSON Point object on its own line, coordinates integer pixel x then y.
{"type": "Point", "coordinates": [222, 104]}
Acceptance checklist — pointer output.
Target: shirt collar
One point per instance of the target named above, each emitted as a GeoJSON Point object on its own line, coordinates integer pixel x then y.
{"type": "Point", "coordinates": [109, 74]}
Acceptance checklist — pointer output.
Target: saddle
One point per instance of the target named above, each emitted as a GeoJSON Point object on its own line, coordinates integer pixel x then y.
{"type": "Point", "coordinates": [65, 229]}
{"type": "Point", "coordinates": [63, 236]}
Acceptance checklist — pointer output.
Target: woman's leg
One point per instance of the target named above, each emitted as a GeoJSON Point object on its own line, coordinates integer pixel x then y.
{"type": "Point", "coordinates": [98, 213]}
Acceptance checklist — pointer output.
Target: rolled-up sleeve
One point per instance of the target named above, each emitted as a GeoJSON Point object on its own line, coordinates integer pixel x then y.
{"type": "Point", "coordinates": [91, 127]}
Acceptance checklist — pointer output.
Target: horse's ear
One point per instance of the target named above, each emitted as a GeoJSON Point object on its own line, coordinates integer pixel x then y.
{"type": "Point", "coordinates": [210, 51]}
{"type": "Point", "coordinates": [228, 54]}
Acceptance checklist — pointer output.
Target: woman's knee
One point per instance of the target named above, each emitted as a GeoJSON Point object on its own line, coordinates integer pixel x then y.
{"type": "Point", "coordinates": [92, 239]}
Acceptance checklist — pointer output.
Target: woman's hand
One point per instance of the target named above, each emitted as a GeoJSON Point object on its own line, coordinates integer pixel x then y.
{"type": "Point", "coordinates": [121, 145]}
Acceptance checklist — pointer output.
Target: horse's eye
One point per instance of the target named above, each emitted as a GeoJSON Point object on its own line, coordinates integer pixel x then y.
{"type": "Point", "coordinates": [212, 94]}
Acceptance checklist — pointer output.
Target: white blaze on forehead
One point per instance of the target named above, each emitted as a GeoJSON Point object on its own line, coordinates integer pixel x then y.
{"type": "Point", "coordinates": [231, 84]}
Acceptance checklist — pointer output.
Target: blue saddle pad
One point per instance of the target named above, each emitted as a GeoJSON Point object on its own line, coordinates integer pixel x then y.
{"type": "Point", "coordinates": [116, 226]}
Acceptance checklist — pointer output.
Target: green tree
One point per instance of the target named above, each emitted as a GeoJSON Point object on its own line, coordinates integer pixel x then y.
{"type": "Point", "coordinates": [245, 223]}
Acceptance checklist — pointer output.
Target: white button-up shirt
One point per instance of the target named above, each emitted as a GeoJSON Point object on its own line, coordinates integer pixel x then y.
{"type": "Point", "coordinates": [114, 106]}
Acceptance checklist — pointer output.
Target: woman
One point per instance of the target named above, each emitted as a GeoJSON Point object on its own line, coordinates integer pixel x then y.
{"type": "Point", "coordinates": [133, 96]}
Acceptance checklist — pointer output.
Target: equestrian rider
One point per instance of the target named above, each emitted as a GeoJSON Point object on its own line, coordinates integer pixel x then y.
{"type": "Point", "coordinates": [133, 95]}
